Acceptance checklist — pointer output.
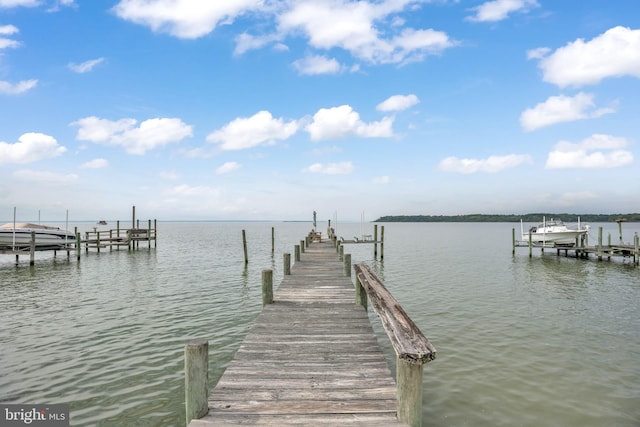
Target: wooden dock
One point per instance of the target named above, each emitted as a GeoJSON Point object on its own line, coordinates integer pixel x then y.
{"type": "Point", "coordinates": [600, 250]}
{"type": "Point", "coordinates": [311, 357]}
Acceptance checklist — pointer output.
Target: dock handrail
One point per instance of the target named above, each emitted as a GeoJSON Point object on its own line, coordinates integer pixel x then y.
{"type": "Point", "coordinates": [412, 348]}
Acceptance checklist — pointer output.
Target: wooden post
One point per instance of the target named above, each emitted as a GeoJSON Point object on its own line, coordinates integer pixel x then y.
{"type": "Point", "coordinates": [133, 217]}
{"type": "Point", "coordinates": [296, 253]}
{"type": "Point", "coordinates": [110, 240]}
{"type": "Point", "coordinates": [635, 250]}
{"type": "Point", "coordinates": [341, 252]}
{"type": "Point", "coordinates": [155, 233]}
{"type": "Point", "coordinates": [32, 249]}
{"type": "Point", "coordinates": [375, 241]}
{"type": "Point", "coordinates": [273, 240]}
{"type": "Point", "coordinates": [244, 245]}
{"type": "Point", "coordinates": [382, 242]}
{"type": "Point", "coordinates": [98, 241]}
{"type": "Point", "coordinates": [409, 394]}
{"type": "Point", "coordinates": [513, 241]}
{"type": "Point", "coordinates": [196, 373]}
{"type": "Point", "coordinates": [118, 232]}
{"type": "Point", "coordinates": [149, 234]}
{"type": "Point", "coordinates": [287, 264]}
{"type": "Point", "coordinates": [78, 245]}
{"type": "Point", "coordinates": [347, 265]}
{"type": "Point", "coordinates": [600, 243]}
{"type": "Point", "coordinates": [301, 246]}
{"type": "Point", "coordinates": [361, 294]}
{"type": "Point", "coordinates": [530, 245]}
{"type": "Point", "coordinates": [267, 287]}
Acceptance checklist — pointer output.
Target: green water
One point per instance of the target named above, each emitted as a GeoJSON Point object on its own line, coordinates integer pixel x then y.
{"type": "Point", "coordinates": [547, 341]}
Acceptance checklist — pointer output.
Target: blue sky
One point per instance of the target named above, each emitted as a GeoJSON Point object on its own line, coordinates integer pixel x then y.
{"type": "Point", "coordinates": [260, 109]}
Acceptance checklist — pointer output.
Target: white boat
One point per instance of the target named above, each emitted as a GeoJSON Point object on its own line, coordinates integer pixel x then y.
{"type": "Point", "coordinates": [18, 235]}
{"type": "Point", "coordinates": [554, 232]}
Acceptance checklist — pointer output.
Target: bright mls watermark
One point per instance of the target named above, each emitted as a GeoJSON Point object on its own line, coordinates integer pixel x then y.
{"type": "Point", "coordinates": [34, 415]}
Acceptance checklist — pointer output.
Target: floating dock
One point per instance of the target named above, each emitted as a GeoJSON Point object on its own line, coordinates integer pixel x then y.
{"type": "Point", "coordinates": [312, 357]}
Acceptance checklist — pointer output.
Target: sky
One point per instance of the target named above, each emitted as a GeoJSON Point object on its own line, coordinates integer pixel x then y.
{"type": "Point", "coordinates": [273, 109]}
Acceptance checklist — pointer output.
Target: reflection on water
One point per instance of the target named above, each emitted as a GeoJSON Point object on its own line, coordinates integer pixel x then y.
{"type": "Point", "coordinates": [521, 341]}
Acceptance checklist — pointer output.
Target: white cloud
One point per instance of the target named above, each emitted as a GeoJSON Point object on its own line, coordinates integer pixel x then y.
{"type": "Point", "coordinates": [614, 53]}
{"type": "Point", "coordinates": [492, 164]}
{"type": "Point", "coordinates": [559, 109]}
{"type": "Point", "coordinates": [381, 180]}
{"type": "Point", "coordinates": [227, 167]}
{"type": "Point", "coordinates": [597, 151]}
{"type": "Point", "coordinates": [187, 19]}
{"type": "Point", "coordinates": [18, 88]}
{"type": "Point", "coordinates": [353, 26]}
{"type": "Point", "coordinates": [497, 10]}
{"type": "Point", "coordinates": [538, 53]}
{"type": "Point", "coordinates": [151, 134]}
{"type": "Point", "coordinates": [317, 64]}
{"type": "Point", "coordinates": [342, 121]}
{"type": "Point", "coordinates": [86, 66]}
{"type": "Point", "coordinates": [261, 128]}
{"type": "Point", "coordinates": [330, 168]}
{"type": "Point", "coordinates": [246, 42]}
{"type": "Point", "coordinates": [45, 177]}
{"type": "Point", "coordinates": [6, 4]}
{"type": "Point", "coordinates": [30, 147]}
{"type": "Point", "coordinates": [8, 30]}
{"type": "Point", "coordinates": [368, 30]}
{"type": "Point", "coordinates": [398, 103]}
{"type": "Point", "coordinates": [95, 164]}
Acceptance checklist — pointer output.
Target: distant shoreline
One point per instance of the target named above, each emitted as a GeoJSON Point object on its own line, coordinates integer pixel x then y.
{"type": "Point", "coordinates": [529, 217]}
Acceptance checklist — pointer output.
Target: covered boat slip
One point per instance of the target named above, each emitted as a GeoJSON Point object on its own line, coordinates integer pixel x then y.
{"type": "Point", "coordinates": [312, 357]}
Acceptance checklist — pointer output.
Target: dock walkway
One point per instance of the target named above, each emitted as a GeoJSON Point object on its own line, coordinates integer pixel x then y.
{"type": "Point", "coordinates": [311, 357]}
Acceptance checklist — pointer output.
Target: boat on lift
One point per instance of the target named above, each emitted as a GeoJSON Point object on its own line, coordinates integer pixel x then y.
{"type": "Point", "coordinates": [554, 232]}
{"type": "Point", "coordinates": [18, 235]}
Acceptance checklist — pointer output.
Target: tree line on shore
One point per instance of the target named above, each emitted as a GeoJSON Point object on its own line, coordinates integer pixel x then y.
{"type": "Point", "coordinates": [529, 217]}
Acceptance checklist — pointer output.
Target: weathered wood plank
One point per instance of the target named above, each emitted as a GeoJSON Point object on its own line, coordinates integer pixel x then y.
{"type": "Point", "coordinates": [407, 339]}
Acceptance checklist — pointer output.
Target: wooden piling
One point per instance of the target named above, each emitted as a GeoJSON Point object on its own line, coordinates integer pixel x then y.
{"type": "Point", "coordinates": [382, 242]}
{"type": "Point", "coordinates": [296, 253]}
{"type": "Point", "coordinates": [196, 370]}
{"type": "Point", "coordinates": [347, 265]}
{"type": "Point", "coordinates": [267, 287]}
{"type": "Point", "coordinates": [286, 264]}
{"type": "Point", "coordinates": [409, 380]}
{"type": "Point", "coordinates": [599, 243]}
{"type": "Point", "coordinates": [244, 246]}
{"type": "Point", "coordinates": [78, 245]}
{"type": "Point", "coordinates": [361, 294]}
{"type": "Point", "coordinates": [32, 249]}
{"type": "Point", "coordinates": [375, 240]}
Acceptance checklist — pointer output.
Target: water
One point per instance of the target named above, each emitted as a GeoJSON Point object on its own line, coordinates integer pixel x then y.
{"type": "Point", "coordinates": [548, 341]}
